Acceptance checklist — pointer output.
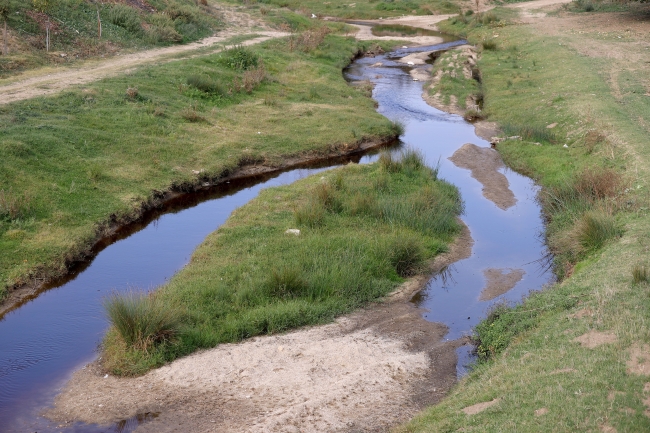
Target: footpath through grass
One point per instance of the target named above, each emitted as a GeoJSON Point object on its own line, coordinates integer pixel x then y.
{"type": "Point", "coordinates": [576, 356]}
{"type": "Point", "coordinates": [363, 229]}
{"type": "Point", "coordinates": [73, 163]}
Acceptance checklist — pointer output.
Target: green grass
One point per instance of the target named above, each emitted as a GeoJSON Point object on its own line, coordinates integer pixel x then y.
{"type": "Point", "coordinates": [596, 204]}
{"type": "Point", "coordinates": [365, 9]}
{"type": "Point", "coordinates": [251, 278]}
{"type": "Point", "coordinates": [454, 83]}
{"type": "Point", "coordinates": [75, 30]}
{"type": "Point", "coordinates": [72, 164]}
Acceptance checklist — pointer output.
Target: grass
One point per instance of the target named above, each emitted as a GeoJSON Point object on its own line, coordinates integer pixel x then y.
{"type": "Point", "coordinates": [142, 320]}
{"type": "Point", "coordinates": [365, 9]}
{"type": "Point", "coordinates": [595, 201]}
{"type": "Point", "coordinates": [73, 164]}
{"type": "Point", "coordinates": [453, 83]}
{"type": "Point", "coordinates": [251, 278]}
{"type": "Point", "coordinates": [74, 29]}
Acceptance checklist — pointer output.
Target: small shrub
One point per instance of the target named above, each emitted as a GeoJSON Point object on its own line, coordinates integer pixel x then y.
{"type": "Point", "coordinates": [132, 93]}
{"type": "Point", "coordinates": [309, 40]}
{"type": "Point", "coordinates": [593, 139]}
{"type": "Point", "coordinates": [469, 12]}
{"type": "Point", "coordinates": [398, 127]}
{"type": "Point", "coordinates": [640, 273]}
{"type": "Point", "coordinates": [287, 282]}
{"type": "Point", "coordinates": [203, 2]}
{"type": "Point", "coordinates": [240, 58]}
{"type": "Point", "coordinates": [406, 255]}
{"type": "Point", "coordinates": [160, 34]}
{"type": "Point", "coordinates": [489, 45]}
{"type": "Point", "coordinates": [142, 320]}
{"type": "Point", "coordinates": [253, 78]}
{"type": "Point", "coordinates": [596, 183]}
{"type": "Point", "coordinates": [126, 17]}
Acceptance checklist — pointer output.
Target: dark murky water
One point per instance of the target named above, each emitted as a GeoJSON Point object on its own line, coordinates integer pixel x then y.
{"type": "Point", "coordinates": [45, 340]}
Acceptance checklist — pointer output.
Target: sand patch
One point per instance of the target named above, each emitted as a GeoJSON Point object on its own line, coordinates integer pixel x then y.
{"type": "Point", "coordinates": [541, 411]}
{"type": "Point", "coordinates": [606, 428]}
{"type": "Point", "coordinates": [480, 407]}
{"type": "Point", "coordinates": [484, 164]}
{"type": "Point", "coordinates": [593, 339]}
{"type": "Point", "coordinates": [639, 361]}
{"type": "Point", "coordinates": [500, 281]}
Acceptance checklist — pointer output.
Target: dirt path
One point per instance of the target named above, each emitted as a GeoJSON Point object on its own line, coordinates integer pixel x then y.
{"type": "Point", "coordinates": [368, 371]}
{"type": "Point", "coordinates": [44, 85]}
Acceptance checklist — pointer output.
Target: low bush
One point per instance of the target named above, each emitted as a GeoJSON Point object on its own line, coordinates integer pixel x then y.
{"type": "Point", "coordinates": [125, 17]}
{"type": "Point", "coordinates": [489, 44]}
{"type": "Point", "coordinates": [595, 228]}
{"type": "Point", "coordinates": [240, 58]}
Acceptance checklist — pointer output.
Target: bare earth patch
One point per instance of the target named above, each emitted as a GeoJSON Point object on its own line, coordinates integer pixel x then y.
{"type": "Point", "coordinates": [541, 411]}
{"type": "Point", "coordinates": [593, 339]}
{"type": "Point", "coordinates": [484, 164]}
{"type": "Point", "coordinates": [500, 281]}
{"type": "Point", "coordinates": [480, 407]}
{"type": "Point", "coordinates": [639, 361]}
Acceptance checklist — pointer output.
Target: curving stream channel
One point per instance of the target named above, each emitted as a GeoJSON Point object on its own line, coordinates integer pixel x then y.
{"type": "Point", "coordinates": [43, 341]}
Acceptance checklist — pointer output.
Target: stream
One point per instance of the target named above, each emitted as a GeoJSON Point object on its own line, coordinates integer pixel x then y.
{"type": "Point", "coordinates": [46, 339]}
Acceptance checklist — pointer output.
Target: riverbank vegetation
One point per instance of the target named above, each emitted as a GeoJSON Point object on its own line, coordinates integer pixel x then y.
{"type": "Point", "coordinates": [296, 255]}
{"type": "Point", "coordinates": [72, 165]}
{"type": "Point", "coordinates": [50, 32]}
{"type": "Point", "coordinates": [574, 356]}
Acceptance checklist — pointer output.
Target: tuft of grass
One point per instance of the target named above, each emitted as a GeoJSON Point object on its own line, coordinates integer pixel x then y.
{"type": "Point", "coordinates": [206, 84]}
{"type": "Point", "coordinates": [240, 58]}
{"type": "Point", "coordinates": [287, 282]}
{"type": "Point", "coordinates": [310, 214]}
{"type": "Point", "coordinates": [406, 254]}
{"type": "Point", "coordinates": [191, 115]}
{"type": "Point", "coordinates": [125, 17]}
{"type": "Point", "coordinates": [489, 44]}
{"type": "Point", "coordinates": [132, 93]}
{"type": "Point", "coordinates": [473, 115]}
{"type": "Point", "coordinates": [14, 206]}
{"type": "Point", "coordinates": [595, 228]}
{"type": "Point", "coordinates": [530, 132]}
{"type": "Point", "coordinates": [640, 273]}
{"type": "Point", "coordinates": [142, 320]}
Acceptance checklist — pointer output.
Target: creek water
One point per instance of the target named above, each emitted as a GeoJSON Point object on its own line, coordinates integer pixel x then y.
{"type": "Point", "coordinates": [46, 339]}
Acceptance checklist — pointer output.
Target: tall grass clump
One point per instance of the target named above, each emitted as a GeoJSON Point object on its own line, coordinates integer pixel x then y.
{"type": "Point", "coordinates": [530, 132]}
{"type": "Point", "coordinates": [14, 206]}
{"type": "Point", "coordinates": [240, 58]}
{"type": "Point", "coordinates": [640, 273]}
{"type": "Point", "coordinates": [206, 84]}
{"type": "Point", "coordinates": [595, 228]}
{"type": "Point", "coordinates": [142, 320]}
{"type": "Point", "coordinates": [126, 17]}
{"type": "Point", "coordinates": [406, 254]}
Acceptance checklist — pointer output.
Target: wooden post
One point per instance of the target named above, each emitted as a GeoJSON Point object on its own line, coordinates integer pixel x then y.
{"type": "Point", "coordinates": [99, 25]}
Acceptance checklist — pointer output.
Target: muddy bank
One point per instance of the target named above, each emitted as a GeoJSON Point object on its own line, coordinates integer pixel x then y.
{"type": "Point", "coordinates": [120, 226]}
{"type": "Point", "coordinates": [500, 281]}
{"type": "Point", "coordinates": [368, 371]}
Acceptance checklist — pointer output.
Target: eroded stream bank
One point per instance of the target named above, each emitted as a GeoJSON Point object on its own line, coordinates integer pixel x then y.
{"type": "Point", "coordinates": [67, 323]}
